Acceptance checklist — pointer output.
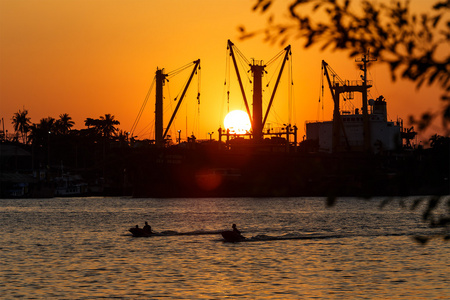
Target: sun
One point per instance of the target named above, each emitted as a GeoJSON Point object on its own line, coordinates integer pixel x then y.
{"type": "Point", "coordinates": [237, 121]}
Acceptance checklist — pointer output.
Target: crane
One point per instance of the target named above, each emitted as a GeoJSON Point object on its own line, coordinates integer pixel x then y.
{"type": "Point", "coordinates": [257, 68]}
{"type": "Point", "coordinates": [160, 80]}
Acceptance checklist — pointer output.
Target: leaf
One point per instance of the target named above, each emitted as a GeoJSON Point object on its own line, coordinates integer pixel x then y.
{"type": "Point", "coordinates": [433, 76]}
{"type": "Point", "coordinates": [394, 64]}
{"type": "Point", "coordinates": [439, 5]}
{"type": "Point", "coordinates": [266, 6]}
{"type": "Point", "coordinates": [436, 20]}
{"type": "Point", "coordinates": [410, 47]}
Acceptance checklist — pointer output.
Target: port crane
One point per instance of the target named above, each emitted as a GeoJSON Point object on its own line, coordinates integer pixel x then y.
{"type": "Point", "coordinates": [159, 101]}
{"type": "Point", "coordinates": [257, 67]}
{"type": "Point", "coordinates": [160, 79]}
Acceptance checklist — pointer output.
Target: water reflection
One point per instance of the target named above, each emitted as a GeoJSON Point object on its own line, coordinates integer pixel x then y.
{"type": "Point", "coordinates": [80, 249]}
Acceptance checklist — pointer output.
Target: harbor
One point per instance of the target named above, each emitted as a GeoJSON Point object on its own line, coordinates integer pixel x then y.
{"type": "Point", "coordinates": [359, 152]}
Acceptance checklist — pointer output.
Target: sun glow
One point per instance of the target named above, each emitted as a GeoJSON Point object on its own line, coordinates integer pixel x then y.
{"type": "Point", "coordinates": [237, 121]}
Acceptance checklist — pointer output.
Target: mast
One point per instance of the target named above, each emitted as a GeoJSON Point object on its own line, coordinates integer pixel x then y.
{"type": "Point", "coordinates": [257, 69]}
{"type": "Point", "coordinates": [160, 80]}
{"type": "Point", "coordinates": [366, 124]}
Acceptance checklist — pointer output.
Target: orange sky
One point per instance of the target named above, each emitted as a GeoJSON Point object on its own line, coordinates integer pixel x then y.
{"type": "Point", "coordinates": [90, 58]}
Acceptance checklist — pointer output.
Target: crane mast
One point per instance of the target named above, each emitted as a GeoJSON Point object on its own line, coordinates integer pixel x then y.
{"type": "Point", "coordinates": [160, 81]}
{"type": "Point", "coordinates": [257, 125]}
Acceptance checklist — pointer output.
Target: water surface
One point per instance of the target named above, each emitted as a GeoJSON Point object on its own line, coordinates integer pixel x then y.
{"type": "Point", "coordinates": [80, 248]}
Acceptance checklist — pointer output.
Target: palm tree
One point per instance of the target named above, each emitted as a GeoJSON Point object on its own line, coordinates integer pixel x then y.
{"type": "Point", "coordinates": [434, 140]}
{"type": "Point", "coordinates": [40, 132]}
{"type": "Point", "coordinates": [108, 125]}
{"type": "Point", "coordinates": [64, 124]}
{"type": "Point", "coordinates": [21, 123]}
{"type": "Point", "coordinates": [89, 122]}
{"type": "Point", "coordinates": [47, 124]}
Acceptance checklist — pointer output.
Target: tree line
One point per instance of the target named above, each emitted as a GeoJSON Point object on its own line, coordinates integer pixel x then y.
{"type": "Point", "coordinates": [104, 127]}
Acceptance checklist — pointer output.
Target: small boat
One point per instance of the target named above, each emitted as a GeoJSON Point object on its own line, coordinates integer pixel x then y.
{"type": "Point", "coordinates": [232, 237]}
{"type": "Point", "coordinates": [140, 232]}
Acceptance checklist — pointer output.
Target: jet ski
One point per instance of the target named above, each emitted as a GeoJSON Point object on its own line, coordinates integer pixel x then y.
{"type": "Point", "coordinates": [232, 237]}
{"type": "Point", "coordinates": [140, 232]}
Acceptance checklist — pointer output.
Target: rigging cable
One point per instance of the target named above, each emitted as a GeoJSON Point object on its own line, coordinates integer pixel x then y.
{"type": "Point", "coordinates": [179, 70]}
{"type": "Point", "coordinates": [168, 107]}
{"type": "Point", "coordinates": [245, 63]}
{"type": "Point", "coordinates": [275, 72]}
{"type": "Point", "coordinates": [199, 85]}
{"type": "Point", "coordinates": [136, 121]}
{"type": "Point", "coordinates": [143, 130]}
{"type": "Point", "coordinates": [275, 57]}
{"type": "Point", "coordinates": [241, 55]}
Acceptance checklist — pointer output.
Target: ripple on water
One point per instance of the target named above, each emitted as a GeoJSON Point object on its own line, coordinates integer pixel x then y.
{"type": "Point", "coordinates": [78, 248]}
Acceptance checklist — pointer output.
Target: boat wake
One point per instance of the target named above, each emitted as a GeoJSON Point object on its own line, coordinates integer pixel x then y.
{"type": "Point", "coordinates": [265, 237]}
{"type": "Point", "coordinates": [176, 233]}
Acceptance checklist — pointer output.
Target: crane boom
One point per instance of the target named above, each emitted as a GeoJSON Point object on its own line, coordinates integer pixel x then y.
{"type": "Point", "coordinates": [286, 55]}
{"type": "Point", "coordinates": [230, 47]}
{"type": "Point", "coordinates": [196, 65]}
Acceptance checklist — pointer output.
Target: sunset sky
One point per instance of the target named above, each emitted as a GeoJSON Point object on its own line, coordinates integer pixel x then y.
{"type": "Point", "coordinates": [91, 58]}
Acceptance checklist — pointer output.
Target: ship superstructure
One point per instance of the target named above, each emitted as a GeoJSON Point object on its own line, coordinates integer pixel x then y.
{"type": "Point", "coordinates": [365, 129]}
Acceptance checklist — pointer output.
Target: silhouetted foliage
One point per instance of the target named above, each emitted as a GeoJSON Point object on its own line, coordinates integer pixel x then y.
{"type": "Point", "coordinates": [104, 126]}
{"type": "Point", "coordinates": [430, 214]}
{"type": "Point", "coordinates": [416, 47]}
{"type": "Point", "coordinates": [40, 132]}
{"type": "Point", "coordinates": [64, 124]}
{"type": "Point", "coordinates": [22, 124]}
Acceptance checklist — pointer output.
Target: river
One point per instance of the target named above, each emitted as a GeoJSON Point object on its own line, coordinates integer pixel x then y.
{"type": "Point", "coordinates": [297, 248]}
